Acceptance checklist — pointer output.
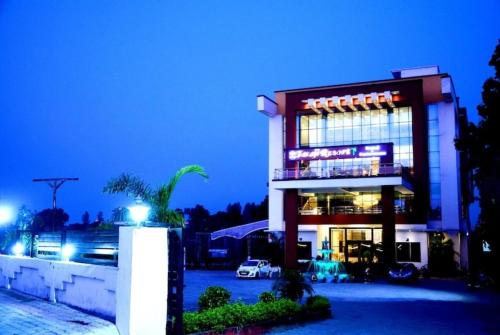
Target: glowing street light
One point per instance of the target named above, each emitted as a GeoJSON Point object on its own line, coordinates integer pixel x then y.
{"type": "Point", "coordinates": [18, 249]}
{"type": "Point", "coordinates": [6, 214]}
{"type": "Point", "coordinates": [139, 212]}
{"type": "Point", "coordinates": [67, 251]}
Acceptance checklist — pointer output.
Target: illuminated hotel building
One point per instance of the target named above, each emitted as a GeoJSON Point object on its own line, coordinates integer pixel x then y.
{"type": "Point", "coordinates": [367, 170]}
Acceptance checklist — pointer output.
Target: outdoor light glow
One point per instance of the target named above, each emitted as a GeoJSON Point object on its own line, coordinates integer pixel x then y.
{"type": "Point", "coordinates": [67, 251]}
{"type": "Point", "coordinates": [18, 249]}
{"type": "Point", "coordinates": [6, 214]}
{"type": "Point", "coordinates": [139, 213]}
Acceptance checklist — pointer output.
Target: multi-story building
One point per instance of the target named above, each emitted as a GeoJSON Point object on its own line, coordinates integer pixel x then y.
{"type": "Point", "coordinates": [367, 170]}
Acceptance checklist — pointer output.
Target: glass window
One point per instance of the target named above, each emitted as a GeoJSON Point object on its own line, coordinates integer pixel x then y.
{"type": "Point", "coordinates": [434, 159]}
{"type": "Point", "coordinates": [361, 127]}
{"type": "Point", "coordinates": [356, 118]}
{"type": "Point", "coordinates": [433, 143]}
{"type": "Point", "coordinates": [359, 234]}
{"type": "Point", "coordinates": [377, 236]}
{"type": "Point", "coordinates": [408, 251]}
{"type": "Point", "coordinates": [435, 177]}
{"type": "Point", "coordinates": [433, 127]}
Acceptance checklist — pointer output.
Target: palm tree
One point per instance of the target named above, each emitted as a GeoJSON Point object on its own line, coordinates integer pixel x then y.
{"type": "Point", "coordinates": [158, 198]}
{"type": "Point", "coordinates": [291, 285]}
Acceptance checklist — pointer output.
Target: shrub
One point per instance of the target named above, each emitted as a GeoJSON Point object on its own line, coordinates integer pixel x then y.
{"type": "Point", "coordinates": [267, 297]}
{"type": "Point", "coordinates": [291, 285]}
{"type": "Point", "coordinates": [441, 256]}
{"type": "Point", "coordinates": [238, 315]}
{"type": "Point", "coordinates": [214, 296]}
{"type": "Point", "coordinates": [318, 305]}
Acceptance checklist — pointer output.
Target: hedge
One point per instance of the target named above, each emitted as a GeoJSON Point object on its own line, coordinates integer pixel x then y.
{"type": "Point", "coordinates": [238, 315]}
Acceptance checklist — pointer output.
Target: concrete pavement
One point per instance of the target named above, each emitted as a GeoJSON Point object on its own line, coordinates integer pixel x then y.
{"type": "Point", "coordinates": [25, 315]}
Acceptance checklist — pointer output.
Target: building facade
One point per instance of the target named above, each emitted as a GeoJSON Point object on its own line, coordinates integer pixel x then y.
{"type": "Point", "coordinates": [367, 171]}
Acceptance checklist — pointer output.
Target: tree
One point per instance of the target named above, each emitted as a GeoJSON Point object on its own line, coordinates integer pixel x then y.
{"type": "Point", "coordinates": [481, 144]}
{"type": "Point", "coordinates": [50, 220]}
{"type": "Point", "coordinates": [119, 214]}
{"type": "Point", "coordinates": [292, 285]}
{"type": "Point", "coordinates": [100, 218]}
{"type": "Point", "coordinates": [86, 219]}
{"type": "Point", "coordinates": [24, 218]}
{"type": "Point", "coordinates": [158, 198]}
{"type": "Point", "coordinates": [198, 218]}
{"type": "Point", "coordinates": [234, 217]}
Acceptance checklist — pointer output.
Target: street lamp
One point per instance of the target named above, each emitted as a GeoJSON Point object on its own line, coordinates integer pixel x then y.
{"type": "Point", "coordinates": [6, 214]}
{"type": "Point", "coordinates": [139, 212]}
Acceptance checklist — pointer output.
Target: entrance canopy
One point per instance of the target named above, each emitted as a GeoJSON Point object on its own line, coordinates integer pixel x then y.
{"type": "Point", "coordinates": [239, 232]}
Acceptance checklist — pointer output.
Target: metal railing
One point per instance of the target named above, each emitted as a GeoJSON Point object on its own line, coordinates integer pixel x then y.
{"type": "Point", "coordinates": [385, 169]}
{"type": "Point", "coordinates": [350, 210]}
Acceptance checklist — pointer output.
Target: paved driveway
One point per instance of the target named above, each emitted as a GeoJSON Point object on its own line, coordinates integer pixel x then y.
{"type": "Point", "coordinates": [430, 307]}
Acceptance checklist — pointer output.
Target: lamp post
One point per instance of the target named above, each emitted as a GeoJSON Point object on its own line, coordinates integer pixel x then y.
{"type": "Point", "coordinates": [139, 212]}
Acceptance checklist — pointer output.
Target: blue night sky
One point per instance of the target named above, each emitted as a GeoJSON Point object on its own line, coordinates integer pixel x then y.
{"type": "Point", "coordinates": [94, 88]}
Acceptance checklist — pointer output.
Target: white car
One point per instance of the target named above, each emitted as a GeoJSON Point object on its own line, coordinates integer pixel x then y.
{"type": "Point", "coordinates": [254, 268]}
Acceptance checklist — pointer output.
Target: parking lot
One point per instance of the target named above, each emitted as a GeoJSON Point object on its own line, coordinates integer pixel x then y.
{"type": "Point", "coordinates": [435, 306]}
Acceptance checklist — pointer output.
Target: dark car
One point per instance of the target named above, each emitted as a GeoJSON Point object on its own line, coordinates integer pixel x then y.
{"type": "Point", "coordinates": [403, 272]}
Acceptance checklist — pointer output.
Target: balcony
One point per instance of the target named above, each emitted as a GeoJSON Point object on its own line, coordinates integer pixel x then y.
{"type": "Point", "coordinates": [351, 214]}
{"type": "Point", "coordinates": [351, 176]}
{"type": "Point", "coordinates": [363, 171]}
{"type": "Point", "coordinates": [346, 210]}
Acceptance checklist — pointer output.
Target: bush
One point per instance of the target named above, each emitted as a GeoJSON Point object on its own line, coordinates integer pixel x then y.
{"type": "Point", "coordinates": [238, 315]}
{"type": "Point", "coordinates": [291, 285]}
{"type": "Point", "coordinates": [441, 256]}
{"type": "Point", "coordinates": [318, 305]}
{"type": "Point", "coordinates": [267, 297]}
{"type": "Point", "coordinates": [214, 296]}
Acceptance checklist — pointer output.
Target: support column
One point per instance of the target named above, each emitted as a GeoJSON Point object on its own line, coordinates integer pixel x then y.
{"type": "Point", "coordinates": [291, 229]}
{"type": "Point", "coordinates": [142, 281]}
{"type": "Point", "coordinates": [388, 225]}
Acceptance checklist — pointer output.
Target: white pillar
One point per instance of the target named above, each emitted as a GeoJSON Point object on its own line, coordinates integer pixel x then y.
{"type": "Point", "coordinates": [141, 288]}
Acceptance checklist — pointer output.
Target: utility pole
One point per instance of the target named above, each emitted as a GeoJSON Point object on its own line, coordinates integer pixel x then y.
{"type": "Point", "coordinates": [54, 184]}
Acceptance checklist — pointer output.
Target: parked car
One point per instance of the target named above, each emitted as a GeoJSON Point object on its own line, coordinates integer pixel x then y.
{"type": "Point", "coordinates": [403, 272]}
{"type": "Point", "coordinates": [254, 268]}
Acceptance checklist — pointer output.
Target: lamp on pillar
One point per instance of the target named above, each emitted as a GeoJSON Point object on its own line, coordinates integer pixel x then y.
{"type": "Point", "coordinates": [139, 211]}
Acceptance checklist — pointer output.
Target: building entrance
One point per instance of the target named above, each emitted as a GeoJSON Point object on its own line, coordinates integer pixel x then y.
{"type": "Point", "coordinates": [356, 244]}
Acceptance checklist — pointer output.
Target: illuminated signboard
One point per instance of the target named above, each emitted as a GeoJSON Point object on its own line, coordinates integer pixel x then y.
{"type": "Point", "coordinates": [340, 152]}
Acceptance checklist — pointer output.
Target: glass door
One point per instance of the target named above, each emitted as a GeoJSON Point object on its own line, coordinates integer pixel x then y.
{"type": "Point", "coordinates": [337, 243]}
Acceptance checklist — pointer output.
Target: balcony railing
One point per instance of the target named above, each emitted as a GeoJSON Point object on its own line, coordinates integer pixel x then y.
{"type": "Point", "coordinates": [385, 169]}
{"type": "Point", "coordinates": [333, 210]}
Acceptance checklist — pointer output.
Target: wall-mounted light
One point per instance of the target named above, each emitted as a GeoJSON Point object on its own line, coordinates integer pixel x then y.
{"type": "Point", "coordinates": [388, 99]}
{"type": "Point", "coordinates": [337, 104]}
{"type": "Point", "coordinates": [6, 214]}
{"type": "Point", "coordinates": [18, 249]}
{"type": "Point", "coordinates": [362, 101]}
{"type": "Point", "coordinates": [350, 103]}
{"type": "Point", "coordinates": [67, 252]}
{"type": "Point", "coordinates": [311, 103]}
{"type": "Point", "coordinates": [375, 100]}
{"type": "Point", "coordinates": [324, 104]}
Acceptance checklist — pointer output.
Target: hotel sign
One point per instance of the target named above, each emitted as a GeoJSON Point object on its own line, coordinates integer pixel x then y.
{"type": "Point", "coordinates": [340, 152]}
